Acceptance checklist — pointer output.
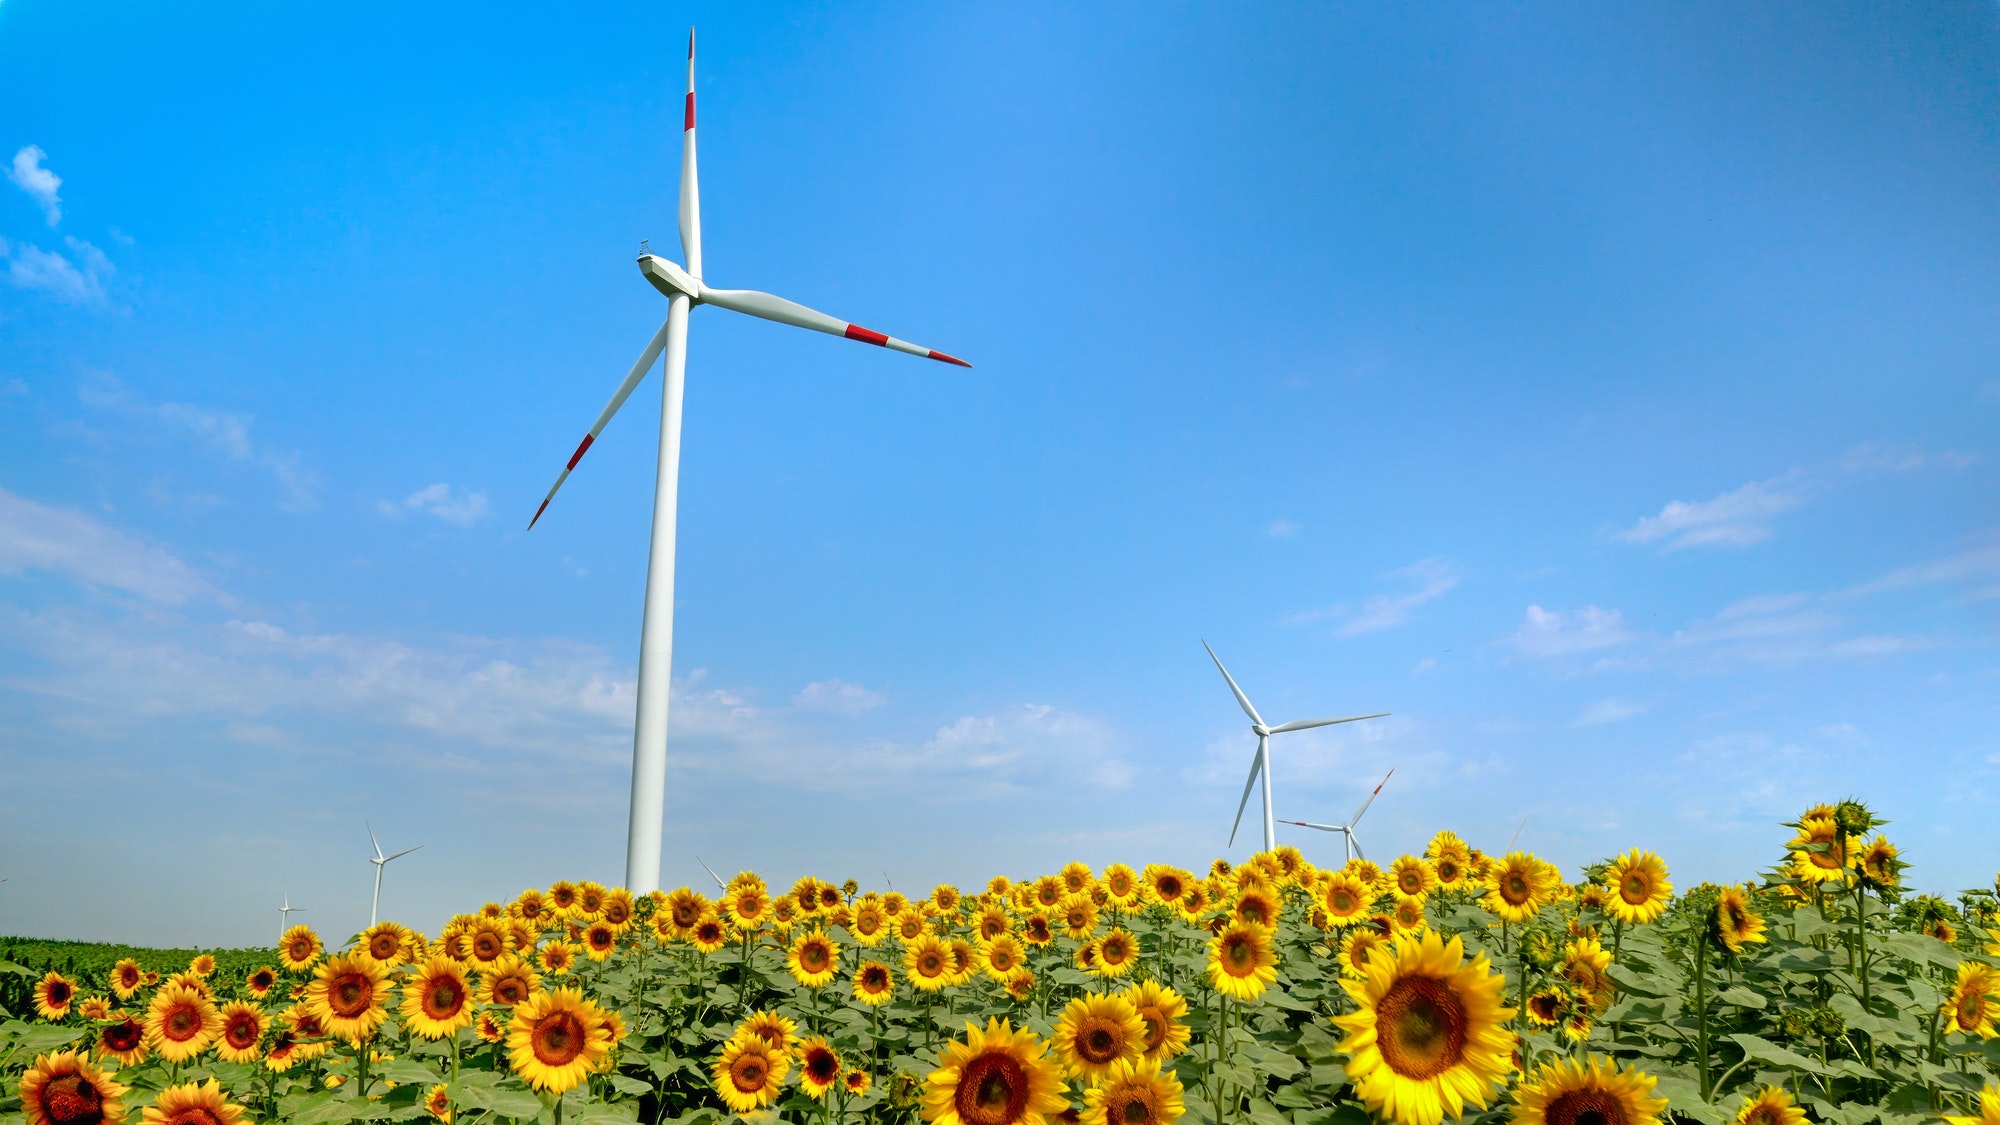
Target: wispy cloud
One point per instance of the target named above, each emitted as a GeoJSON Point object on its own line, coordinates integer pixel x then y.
{"type": "Point", "coordinates": [1431, 578]}
{"type": "Point", "coordinates": [224, 433]}
{"type": "Point", "coordinates": [1609, 711]}
{"type": "Point", "coordinates": [79, 282]}
{"type": "Point", "coordinates": [42, 185]}
{"type": "Point", "coordinates": [69, 542]}
{"type": "Point", "coordinates": [1547, 634]}
{"type": "Point", "coordinates": [458, 509]}
{"type": "Point", "coordinates": [1977, 568]}
{"type": "Point", "coordinates": [1283, 529]}
{"type": "Point", "coordinates": [1736, 518]}
{"type": "Point", "coordinates": [838, 697]}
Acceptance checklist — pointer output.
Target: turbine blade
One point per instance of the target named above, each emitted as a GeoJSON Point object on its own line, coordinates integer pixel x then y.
{"type": "Point", "coordinates": [1308, 724]}
{"type": "Point", "coordinates": [690, 181]}
{"type": "Point", "coordinates": [752, 303]}
{"type": "Point", "coordinates": [1356, 818]}
{"type": "Point", "coordinates": [1241, 699]}
{"type": "Point", "coordinates": [638, 372]}
{"type": "Point", "coordinates": [720, 885]}
{"type": "Point", "coordinates": [371, 838]}
{"type": "Point", "coordinates": [404, 852]}
{"type": "Point", "coordinates": [1356, 843]}
{"type": "Point", "coordinates": [1310, 824]}
{"type": "Point", "coordinates": [1256, 764]}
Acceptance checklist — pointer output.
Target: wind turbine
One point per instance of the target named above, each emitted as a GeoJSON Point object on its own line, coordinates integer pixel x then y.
{"type": "Point", "coordinates": [684, 289]}
{"type": "Point", "coordinates": [1350, 847]}
{"type": "Point", "coordinates": [380, 861]}
{"type": "Point", "coordinates": [1261, 764]}
{"type": "Point", "coordinates": [285, 911]}
{"type": "Point", "coordinates": [720, 885]}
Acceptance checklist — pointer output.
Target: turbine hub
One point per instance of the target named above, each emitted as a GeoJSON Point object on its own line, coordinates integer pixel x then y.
{"type": "Point", "coordinates": [1260, 730]}
{"type": "Point", "coordinates": [669, 278]}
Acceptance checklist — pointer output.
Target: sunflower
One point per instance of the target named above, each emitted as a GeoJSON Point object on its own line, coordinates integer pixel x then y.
{"type": "Point", "coordinates": [1020, 984]}
{"type": "Point", "coordinates": [189, 1104]}
{"type": "Point", "coordinates": [783, 913]}
{"type": "Point", "coordinates": [562, 896]}
{"type": "Point", "coordinates": [509, 981]}
{"type": "Point", "coordinates": [490, 1029]}
{"type": "Point", "coordinates": [600, 940]}
{"type": "Point", "coordinates": [1733, 923]}
{"type": "Point", "coordinates": [65, 1089]}
{"type": "Point", "coordinates": [1549, 1006]}
{"type": "Point", "coordinates": [126, 977]}
{"type": "Point", "coordinates": [749, 1073]}
{"type": "Point", "coordinates": [1077, 916]}
{"type": "Point", "coordinates": [124, 1041]}
{"type": "Point", "coordinates": [349, 992]}
{"type": "Point", "coordinates": [243, 1025]}
{"type": "Point", "coordinates": [558, 957]}
{"type": "Point", "coordinates": [1517, 887]}
{"type": "Point", "coordinates": [261, 981]}
{"type": "Point", "coordinates": [1257, 906]}
{"type": "Point", "coordinates": [1880, 867]}
{"type": "Point", "coordinates": [1587, 965]}
{"type": "Point", "coordinates": [557, 1039]}
{"type": "Point", "coordinates": [1122, 886]}
{"type": "Point", "coordinates": [437, 1001]}
{"type": "Point", "coordinates": [202, 965]}
{"type": "Point", "coordinates": [1344, 897]}
{"type": "Point", "coordinates": [1429, 1034]}
{"type": "Point", "coordinates": [997, 1076]}
{"type": "Point", "coordinates": [991, 923]}
{"type": "Point", "coordinates": [1242, 962]}
{"type": "Point", "coordinates": [813, 959]}
{"type": "Point", "coordinates": [180, 1023]}
{"type": "Point", "coordinates": [618, 907]}
{"type": "Point", "coordinates": [191, 980]}
{"type": "Point", "coordinates": [894, 903]}
{"type": "Point", "coordinates": [856, 1082]}
{"type": "Point", "coordinates": [1117, 952]}
{"type": "Point", "coordinates": [911, 925]}
{"type": "Point", "coordinates": [1001, 955]}
{"type": "Point", "coordinates": [1408, 917]}
{"type": "Point", "coordinates": [1410, 877]}
{"type": "Point", "coordinates": [1596, 1092]}
{"type": "Point", "coordinates": [487, 940]}
{"type": "Point", "coordinates": [437, 1100]}
{"type": "Point", "coordinates": [869, 924]}
{"type": "Point", "coordinates": [1819, 853]}
{"type": "Point", "coordinates": [819, 1067]}
{"type": "Point", "coordinates": [1162, 885]}
{"type": "Point", "coordinates": [1086, 955]}
{"type": "Point", "coordinates": [874, 984]}
{"type": "Point", "coordinates": [1096, 1031]}
{"type": "Point", "coordinates": [1134, 1092]}
{"type": "Point", "coordinates": [1037, 930]}
{"type": "Point", "coordinates": [1771, 1106]}
{"type": "Point", "coordinates": [1989, 1109]}
{"type": "Point", "coordinates": [299, 948]}
{"type": "Point", "coordinates": [1975, 1000]}
{"type": "Point", "coordinates": [590, 898]}
{"type": "Point", "coordinates": [384, 942]}
{"type": "Point", "coordinates": [1639, 889]}
{"type": "Point", "coordinates": [927, 962]}
{"type": "Point", "coordinates": [747, 904]}
{"type": "Point", "coordinates": [773, 1028]}
{"type": "Point", "coordinates": [53, 996]}
{"type": "Point", "coordinates": [1161, 1009]}
{"type": "Point", "coordinates": [709, 934]}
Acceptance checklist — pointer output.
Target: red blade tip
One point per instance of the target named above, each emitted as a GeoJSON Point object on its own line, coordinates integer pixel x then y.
{"type": "Point", "coordinates": [538, 514]}
{"type": "Point", "coordinates": [940, 356]}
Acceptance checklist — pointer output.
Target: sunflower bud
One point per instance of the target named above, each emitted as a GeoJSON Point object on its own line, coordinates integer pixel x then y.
{"type": "Point", "coordinates": [903, 1091]}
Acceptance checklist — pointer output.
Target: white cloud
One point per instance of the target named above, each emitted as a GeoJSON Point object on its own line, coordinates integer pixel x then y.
{"type": "Point", "coordinates": [1734, 519]}
{"type": "Point", "coordinates": [1548, 634]}
{"type": "Point", "coordinates": [1283, 529]}
{"type": "Point", "coordinates": [40, 183]}
{"type": "Point", "coordinates": [838, 697]}
{"type": "Point", "coordinates": [1978, 568]}
{"type": "Point", "coordinates": [223, 432]}
{"type": "Point", "coordinates": [66, 541]}
{"type": "Point", "coordinates": [1609, 711]}
{"type": "Point", "coordinates": [459, 510]}
{"type": "Point", "coordinates": [1782, 629]}
{"type": "Point", "coordinates": [1433, 578]}
{"type": "Point", "coordinates": [31, 267]}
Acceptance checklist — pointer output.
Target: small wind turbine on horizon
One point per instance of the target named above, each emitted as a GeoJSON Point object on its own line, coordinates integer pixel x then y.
{"type": "Point", "coordinates": [685, 290]}
{"type": "Point", "coordinates": [285, 911]}
{"type": "Point", "coordinates": [380, 861]}
{"type": "Point", "coordinates": [1261, 764]}
{"type": "Point", "coordinates": [1350, 847]}
{"type": "Point", "coordinates": [711, 873]}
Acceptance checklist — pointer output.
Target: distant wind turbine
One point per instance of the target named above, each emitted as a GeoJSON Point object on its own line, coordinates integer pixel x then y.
{"type": "Point", "coordinates": [1517, 834]}
{"type": "Point", "coordinates": [285, 915]}
{"type": "Point", "coordinates": [1350, 847]}
{"type": "Point", "coordinates": [1261, 764]}
{"type": "Point", "coordinates": [380, 861]}
{"type": "Point", "coordinates": [711, 873]}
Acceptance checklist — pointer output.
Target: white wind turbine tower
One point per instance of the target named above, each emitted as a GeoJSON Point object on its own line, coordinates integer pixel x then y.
{"type": "Point", "coordinates": [684, 289]}
{"type": "Point", "coordinates": [285, 911]}
{"type": "Point", "coordinates": [380, 861]}
{"type": "Point", "coordinates": [1261, 764]}
{"type": "Point", "coordinates": [1350, 847]}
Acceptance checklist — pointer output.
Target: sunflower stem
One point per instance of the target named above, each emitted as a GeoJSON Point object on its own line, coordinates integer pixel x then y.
{"type": "Point", "coordinates": [1701, 1011]}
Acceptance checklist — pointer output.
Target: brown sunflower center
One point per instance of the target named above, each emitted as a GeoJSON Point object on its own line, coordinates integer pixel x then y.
{"type": "Point", "coordinates": [1169, 888]}
{"type": "Point", "coordinates": [1411, 882]}
{"type": "Point", "coordinates": [198, 1114]}
{"type": "Point", "coordinates": [488, 946]}
{"type": "Point", "coordinates": [1514, 888]}
{"type": "Point", "coordinates": [444, 998]}
{"type": "Point", "coordinates": [1762, 1114]}
{"type": "Point", "coordinates": [72, 1100]}
{"type": "Point", "coordinates": [749, 1073]}
{"type": "Point", "coordinates": [813, 957]}
{"type": "Point", "coordinates": [822, 1066]}
{"type": "Point", "coordinates": [1002, 958]}
{"type": "Point", "coordinates": [1636, 888]}
{"type": "Point", "coordinates": [59, 993]}
{"type": "Point", "coordinates": [992, 1090]}
{"type": "Point", "coordinates": [1420, 1028]}
{"type": "Point", "coordinates": [1587, 1107]}
{"type": "Point", "coordinates": [930, 964]}
{"type": "Point", "coordinates": [123, 1036]}
{"type": "Point", "coordinates": [1447, 869]}
{"type": "Point", "coordinates": [383, 946]}
{"type": "Point", "coordinates": [510, 990]}
{"type": "Point", "coordinates": [181, 1023]}
{"type": "Point", "coordinates": [1099, 1043]}
{"type": "Point", "coordinates": [241, 1032]}
{"type": "Point", "coordinates": [1342, 901]}
{"type": "Point", "coordinates": [349, 995]}
{"type": "Point", "coordinates": [558, 1038]}
{"type": "Point", "coordinates": [1132, 1106]}
{"type": "Point", "coordinates": [1156, 1028]}
{"type": "Point", "coordinates": [1971, 1009]}
{"type": "Point", "coordinates": [1239, 955]}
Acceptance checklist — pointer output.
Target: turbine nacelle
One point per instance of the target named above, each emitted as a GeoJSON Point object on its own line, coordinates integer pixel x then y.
{"type": "Point", "coordinates": [668, 278]}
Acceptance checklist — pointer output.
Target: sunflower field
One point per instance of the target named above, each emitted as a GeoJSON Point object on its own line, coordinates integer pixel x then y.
{"type": "Point", "coordinates": [1449, 986]}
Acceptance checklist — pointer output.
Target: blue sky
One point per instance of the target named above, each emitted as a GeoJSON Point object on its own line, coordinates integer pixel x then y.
{"type": "Point", "coordinates": [1610, 395]}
